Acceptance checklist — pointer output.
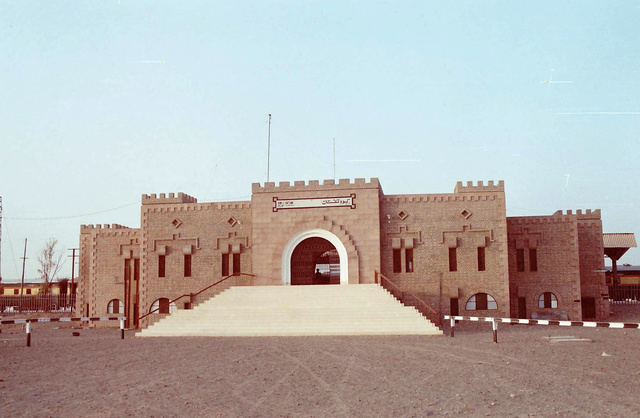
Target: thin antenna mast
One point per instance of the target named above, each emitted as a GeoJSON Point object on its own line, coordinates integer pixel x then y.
{"type": "Point", "coordinates": [334, 159]}
{"type": "Point", "coordinates": [269, 147]}
{"type": "Point", "coordinates": [0, 238]}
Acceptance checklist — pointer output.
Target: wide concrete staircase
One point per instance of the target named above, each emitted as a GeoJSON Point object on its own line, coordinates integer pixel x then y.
{"type": "Point", "coordinates": [365, 309]}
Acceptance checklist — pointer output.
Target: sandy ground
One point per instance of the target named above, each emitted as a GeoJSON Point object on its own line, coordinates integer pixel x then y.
{"type": "Point", "coordinates": [98, 374]}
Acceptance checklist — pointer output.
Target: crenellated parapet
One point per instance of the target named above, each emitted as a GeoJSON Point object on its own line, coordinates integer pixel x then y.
{"type": "Point", "coordinates": [89, 228]}
{"type": "Point", "coordinates": [449, 197]}
{"type": "Point", "coordinates": [586, 215]}
{"type": "Point", "coordinates": [200, 207]}
{"type": "Point", "coordinates": [532, 220]}
{"type": "Point", "coordinates": [480, 187]}
{"type": "Point", "coordinates": [558, 217]}
{"type": "Point", "coordinates": [108, 230]}
{"type": "Point", "coordinates": [314, 185]}
{"type": "Point", "coordinates": [154, 199]}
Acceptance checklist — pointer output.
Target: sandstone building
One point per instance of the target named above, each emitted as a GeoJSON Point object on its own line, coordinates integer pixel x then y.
{"type": "Point", "coordinates": [457, 251]}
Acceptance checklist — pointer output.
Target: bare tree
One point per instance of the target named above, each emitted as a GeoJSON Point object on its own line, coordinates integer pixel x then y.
{"type": "Point", "coordinates": [51, 259]}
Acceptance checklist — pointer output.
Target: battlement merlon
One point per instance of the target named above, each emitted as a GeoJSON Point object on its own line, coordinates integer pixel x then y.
{"type": "Point", "coordinates": [314, 185]}
{"type": "Point", "coordinates": [480, 187]}
{"type": "Point", "coordinates": [89, 228]}
{"type": "Point", "coordinates": [163, 198]}
{"type": "Point", "coordinates": [587, 214]}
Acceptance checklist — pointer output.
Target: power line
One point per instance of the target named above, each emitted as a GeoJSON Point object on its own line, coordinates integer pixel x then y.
{"type": "Point", "coordinates": [73, 216]}
{"type": "Point", "coordinates": [13, 255]}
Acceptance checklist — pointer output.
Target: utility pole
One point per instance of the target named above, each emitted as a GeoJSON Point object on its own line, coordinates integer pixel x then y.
{"type": "Point", "coordinates": [269, 147]}
{"type": "Point", "coordinates": [73, 271]}
{"type": "Point", "coordinates": [24, 259]}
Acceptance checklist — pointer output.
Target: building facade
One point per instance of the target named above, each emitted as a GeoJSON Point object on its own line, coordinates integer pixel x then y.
{"type": "Point", "coordinates": [31, 288]}
{"type": "Point", "coordinates": [458, 252]}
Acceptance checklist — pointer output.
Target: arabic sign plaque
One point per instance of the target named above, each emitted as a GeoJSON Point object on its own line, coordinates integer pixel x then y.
{"type": "Point", "coordinates": [321, 202]}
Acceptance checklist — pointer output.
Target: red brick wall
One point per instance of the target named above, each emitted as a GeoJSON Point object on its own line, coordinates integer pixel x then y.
{"type": "Point", "coordinates": [472, 216]}
{"type": "Point", "coordinates": [556, 241]}
{"type": "Point", "coordinates": [570, 257]}
{"type": "Point", "coordinates": [103, 250]}
{"type": "Point", "coordinates": [206, 230]}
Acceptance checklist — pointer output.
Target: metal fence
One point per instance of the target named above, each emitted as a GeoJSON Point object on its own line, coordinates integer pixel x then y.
{"type": "Point", "coordinates": [14, 305]}
{"type": "Point", "coordinates": [625, 294]}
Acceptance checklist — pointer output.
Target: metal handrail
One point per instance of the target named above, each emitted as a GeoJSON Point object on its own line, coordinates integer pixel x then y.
{"type": "Point", "coordinates": [430, 313]}
{"type": "Point", "coordinates": [193, 295]}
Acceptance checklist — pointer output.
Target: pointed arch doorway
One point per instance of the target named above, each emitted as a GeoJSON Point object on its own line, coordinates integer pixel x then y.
{"type": "Point", "coordinates": [311, 250]}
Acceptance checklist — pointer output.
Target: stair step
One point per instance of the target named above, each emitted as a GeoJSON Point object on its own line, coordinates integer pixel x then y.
{"type": "Point", "coordinates": [296, 310]}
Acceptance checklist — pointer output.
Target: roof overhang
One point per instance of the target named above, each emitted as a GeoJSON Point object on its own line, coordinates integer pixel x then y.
{"type": "Point", "coordinates": [616, 244]}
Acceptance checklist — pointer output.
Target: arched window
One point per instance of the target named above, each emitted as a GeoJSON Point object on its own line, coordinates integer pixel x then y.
{"type": "Point", "coordinates": [481, 302]}
{"type": "Point", "coordinates": [115, 306]}
{"type": "Point", "coordinates": [164, 305]}
{"type": "Point", "coordinates": [547, 300]}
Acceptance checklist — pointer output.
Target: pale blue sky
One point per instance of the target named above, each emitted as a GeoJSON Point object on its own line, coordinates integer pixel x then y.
{"type": "Point", "coordinates": [103, 101]}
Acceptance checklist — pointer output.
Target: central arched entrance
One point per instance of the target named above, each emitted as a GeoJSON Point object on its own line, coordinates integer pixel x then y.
{"type": "Point", "coordinates": [314, 257]}
{"type": "Point", "coordinates": [315, 261]}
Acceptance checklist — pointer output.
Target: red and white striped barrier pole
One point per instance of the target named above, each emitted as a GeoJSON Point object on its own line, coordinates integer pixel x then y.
{"type": "Point", "coordinates": [494, 322]}
{"type": "Point", "coordinates": [28, 322]}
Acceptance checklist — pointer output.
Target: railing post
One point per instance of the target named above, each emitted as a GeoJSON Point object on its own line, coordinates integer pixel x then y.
{"type": "Point", "coordinates": [28, 328]}
{"type": "Point", "coordinates": [494, 325]}
{"type": "Point", "coordinates": [122, 328]}
{"type": "Point", "coordinates": [453, 325]}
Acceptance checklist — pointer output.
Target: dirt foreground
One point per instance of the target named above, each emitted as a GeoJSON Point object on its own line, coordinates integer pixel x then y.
{"type": "Point", "coordinates": [98, 374]}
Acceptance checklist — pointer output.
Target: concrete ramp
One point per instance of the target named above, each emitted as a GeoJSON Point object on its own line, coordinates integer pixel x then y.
{"type": "Point", "coordinates": [365, 309]}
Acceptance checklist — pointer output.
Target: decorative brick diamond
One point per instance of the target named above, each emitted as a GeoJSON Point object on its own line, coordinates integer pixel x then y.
{"type": "Point", "coordinates": [232, 221]}
{"type": "Point", "coordinates": [403, 215]}
{"type": "Point", "coordinates": [176, 222]}
{"type": "Point", "coordinates": [466, 214]}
